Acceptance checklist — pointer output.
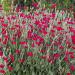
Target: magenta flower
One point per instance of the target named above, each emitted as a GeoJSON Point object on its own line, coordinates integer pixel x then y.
{"type": "Point", "coordinates": [56, 55]}
{"type": "Point", "coordinates": [2, 65]}
{"type": "Point", "coordinates": [1, 53]}
{"type": "Point", "coordinates": [73, 39]}
{"type": "Point", "coordinates": [68, 73]}
{"type": "Point", "coordinates": [21, 60]}
{"type": "Point", "coordinates": [2, 71]}
{"type": "Point", "coordinates": [11, 57]}
{"type": "Point", "coordinates": [35, 5]}
{"type": "Point", "coordinates": [10, 68]}
{"type": "Point", "coordinates": [17, 51]}
{"type": "Point", "coordinates": [72, 68]}
{"type": "Point", "coordinates": [53, 6]}
{"type": "Point", "coordinates": [29, 54]}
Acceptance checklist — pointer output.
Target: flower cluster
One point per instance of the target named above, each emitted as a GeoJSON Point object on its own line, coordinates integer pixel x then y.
{"type": "Point", "coordinates": [37, 42]}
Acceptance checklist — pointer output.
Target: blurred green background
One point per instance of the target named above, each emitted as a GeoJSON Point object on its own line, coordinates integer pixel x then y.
{"type": "Point", "coordinates": [61, 4]}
